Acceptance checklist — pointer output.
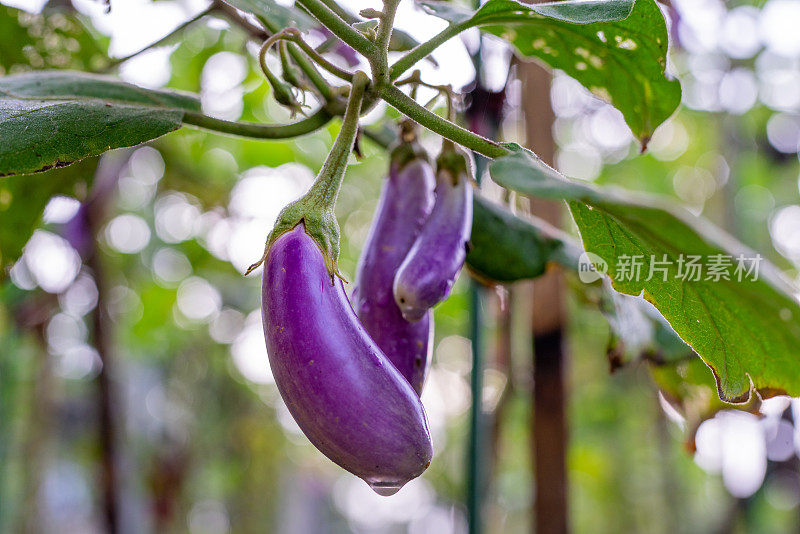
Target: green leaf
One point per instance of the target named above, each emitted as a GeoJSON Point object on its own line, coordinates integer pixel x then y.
{"type": "Point", "coordinates": [53, 118]}
{"type": "Point", "coordinates": [615, 48]}
{"type": "Point", "coordinates": [747, 331]}
{"type": "Point", "coordinates": [511, 12]}
{"type": "Point", "coordinates": [506, 248]}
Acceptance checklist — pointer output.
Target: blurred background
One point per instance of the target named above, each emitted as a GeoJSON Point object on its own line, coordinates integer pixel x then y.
{"type": "Point", "coordinates": [133, 375]}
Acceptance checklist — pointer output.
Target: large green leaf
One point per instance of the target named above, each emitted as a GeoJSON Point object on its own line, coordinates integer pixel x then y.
{"type": "Point", "coordinates": [615, 48]}
{"type": "Point", "coordinates": [53, 118]}
{"type": "Point", "coordinates": [747, 331]}
{"type": "Point", "coordinates": [506, 248]}
{"type": "Point", "coordinates": [511, 12]}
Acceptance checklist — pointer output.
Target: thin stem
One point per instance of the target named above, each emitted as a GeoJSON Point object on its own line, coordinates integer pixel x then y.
{"type": "Point", "coordinates": [475, 466]}
{"type": "Point", "coordinates": [404, 104]}
{"type": "Point", "coordinates": [117, 61]}
{"type": "Point", "coordinates": [420, 51]}
{"type": "Point", "coordinates": [339, 27]}
{"type": "Point", "coordinates": [289, 70]}
{"type": "Point", "coordinates": [315, 209]}
{"type": "Point", "coordinates": [262, 60]}
{"type": "Point", "coordinates": [326, 188]}
{"type": "Point", "coordinates": [313, 122]}
{"type": "Point", "coordinates": [380, 61]}
{"type": "Point", "coordinates": [294, 36]}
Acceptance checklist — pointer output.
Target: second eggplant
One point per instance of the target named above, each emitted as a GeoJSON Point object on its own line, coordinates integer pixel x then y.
{"type": "Point", "coordinates": [405, 204]}
{"type": "Point", "coordinates": [428, 272]}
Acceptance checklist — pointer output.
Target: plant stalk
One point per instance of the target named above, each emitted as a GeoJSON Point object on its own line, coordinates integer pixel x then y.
{"type": "Point", "coordinates": [316, 208]}
{"type": "Point", "coordinates": [476, 483]}
{"type": "Point", "coordinates": [310, 124]}
{"type": "Point", "coordinates": [406, 105]}
{"type": "Point", "coordinates": [329, 181]}
{"type": "Point", "coordinates": [319, 59]}
{"type": "Point", "coordinates": [380, 61]}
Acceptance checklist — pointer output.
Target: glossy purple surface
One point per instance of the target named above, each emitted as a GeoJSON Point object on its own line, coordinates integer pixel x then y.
{"type": "Point", "coordinates": [428, 272]}
{"type": "Point", "coordinates": [345, 395]}
{"type": "Point", "coordinates": [405, 203]}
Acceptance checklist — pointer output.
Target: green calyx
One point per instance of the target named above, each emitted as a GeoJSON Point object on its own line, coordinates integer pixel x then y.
{"type": "Point", "coordinates": [407, 148]}
{"type": "Point", "coordinates": [319, 222]}
{"type": "Point", "coordinates": [453, 163]}
{"type": "Point", "coordinates": [315, 209]}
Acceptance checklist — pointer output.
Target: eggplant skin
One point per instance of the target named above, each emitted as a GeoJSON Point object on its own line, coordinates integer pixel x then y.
{"type": "Point", "coordinates": [405, 204]}
{"type": "Point", "coordinates": [345, 395]}
{"type": "Point", "coordinates": [428, 272]}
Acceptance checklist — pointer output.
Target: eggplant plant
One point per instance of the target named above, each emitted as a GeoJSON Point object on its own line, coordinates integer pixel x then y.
{"type": "Point", "coordinates": [352, 385]}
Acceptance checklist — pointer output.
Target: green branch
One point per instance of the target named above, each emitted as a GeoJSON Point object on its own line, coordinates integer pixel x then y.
{"type": "Point", "coordinates": [330, 176]}
{"type": "Point", "coordinates": [311, 123]}
{"type": "Point", "coordinates": [380, 61]}
{"type": "Point", "coordinates": [407, 106]}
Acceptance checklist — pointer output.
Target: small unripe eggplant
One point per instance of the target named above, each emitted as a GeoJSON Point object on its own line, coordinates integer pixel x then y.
{"type": "Point", "coordinates": [345, 395]}
{"type": "Point", "coordinates": [428, 272]}
{"type": "Point", "coordinates": [405, 204]}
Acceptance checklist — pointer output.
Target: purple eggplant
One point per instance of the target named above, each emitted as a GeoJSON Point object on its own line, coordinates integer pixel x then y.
{"type": "Point", "coordinates": [428, 272]}
{"type": "Point", "coordinates": [405, 203]}
{"type": "Point", "coordinates": [350, 401]}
